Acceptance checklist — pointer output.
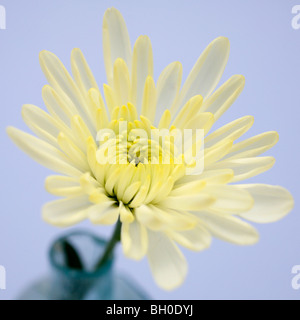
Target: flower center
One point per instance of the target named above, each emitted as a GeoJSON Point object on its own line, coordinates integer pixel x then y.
{"type": "Point", "coordinates": [140, 165]}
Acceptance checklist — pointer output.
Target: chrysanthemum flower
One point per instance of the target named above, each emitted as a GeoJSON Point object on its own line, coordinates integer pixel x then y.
{"type": "Point", "coordinates": [158, 204]}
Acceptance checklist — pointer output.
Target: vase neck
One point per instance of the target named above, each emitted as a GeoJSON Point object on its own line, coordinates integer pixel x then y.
{"type": "Point", "coordinates": [73, 258]}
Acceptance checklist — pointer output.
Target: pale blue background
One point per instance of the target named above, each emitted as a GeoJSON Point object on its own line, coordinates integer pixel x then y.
{"type": "Point", "coordinates": [264, 48]}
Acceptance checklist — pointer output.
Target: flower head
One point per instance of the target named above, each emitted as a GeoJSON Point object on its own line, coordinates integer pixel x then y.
{"type": "Point", "coordinates": [114, 164]}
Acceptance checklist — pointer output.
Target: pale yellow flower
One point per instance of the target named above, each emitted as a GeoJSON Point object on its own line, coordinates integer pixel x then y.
{"type": "Point", "coordinates": [159, 205]}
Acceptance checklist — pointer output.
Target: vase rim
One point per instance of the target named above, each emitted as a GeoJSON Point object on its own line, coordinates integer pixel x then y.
{"type": "Point", "coordinates": [74, 272]}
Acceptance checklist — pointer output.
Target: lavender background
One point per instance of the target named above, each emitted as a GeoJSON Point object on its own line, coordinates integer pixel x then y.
{"type": "Point", "coordinates": [264, 48]}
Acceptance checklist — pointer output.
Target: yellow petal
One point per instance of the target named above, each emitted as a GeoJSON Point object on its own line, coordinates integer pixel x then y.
{"type": "Point", "coordinates": [81, 132]}
{"type": "Point", "coordinates": [41, 123]}
{"type": "Point", "coordinates": [60, 79]}
{"type": "Point", "coordinates": [229, 199]}
{"type": "Point", "coordinates": [116, 42]}
{"type": "Point", "coordinates": [74, 154]}
{"type": "Point", "coordinates": [190, 109]}
{"type": "Point", "coordinates": [168, 86]}
{"type": "Point", "coordinates": [165, 120]}
{"type": "Point", "coordinates": [220, 176]}
{"type": "Point", "coordinates": [217, 152]}
{"type": "Point", "coordinates": [159, 218]}
{"type": "Point", "coordinates": [201, 121]}
{"type": "Point", "coordinates": [112, 181]}
{"type": "Point", "coordinates": [42, 152]}
{"type": "Point", "coordinates": [63, 186]}
{"type": "Point", "coordinates": [196, 239]}
{"type": "Point", "coordinates": [245, 168]}
{"type": "Point", "coordinates": [96, 168]}
{"type": "Point", "coordinates": [142, 67]}
{"type": "Point", "coordinates": [97, 109]}
{"type": "Point", "coordinates": [141, 194]}
{"type": "Point", "coordinates": [126, 215]}
{"type": "Point", "coordinates": [224, 97]}
{"type": "Point", "coordinates": [106, 213]}
{"type": "Point", "coordinates": [253, 146]}
{"type": "Point", "coordinates": [207, 71]}
{"type": "Point", "coordinates": [189, 203]}
{"type": "Point", "coordinates": [89, 184]}
{"type": "Point", "coordinates": [271, 203]}
{"type": "Point", "coordinates": [81, 71]}
{"type": "Point", "coordinates": [121, 82]}
{"type": "Point", "coordinates": [193, 187]}
{"type": "Point", "coordinates": [149, 99]}
{"type": "Point", "coordinates": [167, 263]}
{"type": "Point", "coordinates": [109, 98]}
{"type": "Point", "coordinates": [229, 228]}
{"type": "Point", "coordinates": [62, 109]}
{"type": "Point", "coordinates": [130, 192]}
{"type": "Point", "coordinates": [164, 190]}
{"type": "Point", "coordinates": [126, 177]}
{"type": "Point", "coordinates": [232, 131]}
{"type": "Point", "coordinates": [134, 240]}
{"type": "Point", "coordinates": [57, 75]}
{"type": "Point", "coordinates": [66, 212]}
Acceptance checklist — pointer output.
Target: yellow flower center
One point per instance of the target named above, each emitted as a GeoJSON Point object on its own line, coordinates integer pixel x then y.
{"type": "Point", "coordinates": [138, 165]}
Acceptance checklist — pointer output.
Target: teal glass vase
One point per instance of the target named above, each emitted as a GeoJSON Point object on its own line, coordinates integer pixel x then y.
{"type": "Point", "coordinates": [73, 275]}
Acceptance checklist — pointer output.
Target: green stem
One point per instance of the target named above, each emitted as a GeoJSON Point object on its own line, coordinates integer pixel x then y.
{"type": "Point", "coordinates": [115, 238]}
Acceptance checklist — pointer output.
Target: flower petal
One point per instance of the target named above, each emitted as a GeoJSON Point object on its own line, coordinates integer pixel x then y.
{"type": "Point", "coordinates": [121, 82]}
{"type": "Point", "coordinates": [189, 203]}
{"type": "Point", "coordinates": [57, 75]}
{"type": "Point", "coordinates": [116, 41]}
{"type": "Point", "coordinates": [62, 109]}
{"type": "Point", "coordinates": [271, 203]}
{"type": "Point", "coordinates": [106, 212]}
{"type": "Point", "coordinates": [142, 67]}
{"type": "Point", "coordinates": [74, 154]}
{"type": "Point", "coordinates": [66, 212]}
{"type": "Point", "coordinates": [63, 186]}
{"type": "Point", "coordinates": [149, 99]}
{"type": "Point", "coordinates": [81, 132]}
{"type": "Point", "coordinates": [203, 121]}
{"type": "Point", "coordinates": [134, 240]}
{"type": "Point", "coordinates": [229, 228]}
{"type": "Point", "coordinates": [196, 239]}
{"type": "Point", "coordinates": [168, 86]}
{"type": "Point", "coordinates": [42, 152]}
{"type": "Point", "coordinates": [41, 123]}
{"type": "Point", "coordinates": [126, 215]}
{"type": "Point", "coordinates": [224, 97]}
{"type": "Point", "coordinates": [207, 71]}
{"type": "Point", "coordinates": [188, 111]}
{"type": "Point", "coordinates": [232, 131]}
{"type": "Point", "coordinates": [245, 168]}
{"type": "Point", "coordinates": [253, 146]}
{"type": "Point", "coordinates": [189, 188]}
{"type": "Point", "coordinates": [217, 152]}
{"type": "Point", "coordinates": [229, 199]}
{"type": "Point", "coordinates": [167, 263]}
{"type": "Point", "coordinates": [221, 176]}
{"type": "Point", "coordinates": [81, 71]}
{"type": "Point", "coordinates": [60, 79]}
{"type": "Point", "coordinates": [158, 219]}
